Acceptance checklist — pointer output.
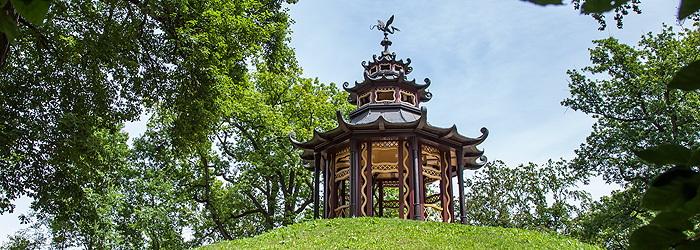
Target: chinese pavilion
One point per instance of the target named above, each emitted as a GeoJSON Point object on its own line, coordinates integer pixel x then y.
{"type": "Point", "coordinates": [387, 160]}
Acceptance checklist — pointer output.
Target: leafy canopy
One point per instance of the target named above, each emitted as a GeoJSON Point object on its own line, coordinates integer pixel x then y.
{"type": "Point", "coordinates": [634, 106]}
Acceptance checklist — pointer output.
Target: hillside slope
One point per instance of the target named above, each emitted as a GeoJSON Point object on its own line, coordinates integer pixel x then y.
{"type": "Point", "coordinates": [382, 233]}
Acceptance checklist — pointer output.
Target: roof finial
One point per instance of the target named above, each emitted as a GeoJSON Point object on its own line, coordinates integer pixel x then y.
{"type": "Point", "coordinates": [387, 29]}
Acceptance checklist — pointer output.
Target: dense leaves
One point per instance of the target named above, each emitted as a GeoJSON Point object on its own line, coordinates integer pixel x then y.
{"type": "Point", "coordinates": [634, 106]}
{"type": "Point", "coordinates": [70, 82]}
{"type": "Point", "coordinates": [675, 196]}
{"type": "Point", "coordinates": [528, 196]}
{"type": "Point", "coordinates": [637, 109]}
{"type": "Point", "coordinates": [688, 78]}
{"type": "Point", "coordinates": [609, 221]}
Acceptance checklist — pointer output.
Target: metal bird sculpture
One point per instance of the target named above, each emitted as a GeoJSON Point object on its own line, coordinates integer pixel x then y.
{"type": "Point", "coordinates": [385, 27]}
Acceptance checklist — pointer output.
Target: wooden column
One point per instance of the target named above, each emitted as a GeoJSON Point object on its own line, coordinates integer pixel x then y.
{"type": "Point", "coordinates": [417, 182]}
{"type": "Point", "coordinates": [333, 203]}
{"type": "Point", "coordinates": [411, 183]}
{"type": "Point", "coordinates": [368, 174]}
{"type": "Point", "coordinates": [380, 201]}
{"type": "Point", "coordinates": [317, 181]}
{"type": "Point", "coordinates": [326, 187]}
{"type": "Point", "coordinates": [460, 180]}
{"type": "Point", "coordinates": [353, 178]}
{"type": "Point", "coordinates": [401, 182]}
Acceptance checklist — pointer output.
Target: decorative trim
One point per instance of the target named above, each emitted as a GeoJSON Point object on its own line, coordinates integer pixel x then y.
{"type": "Point", "coordinates": [340, 211]}
{"type": "Point", "coordinates": [342, 157]}
{"type": "Point", "coordinates": [447, 186]}
{"type": "Point", "coordinates": [360, 98]}
{"type": "Point", "coordinates": [342, 174]}
{"type": "Point", "coordinates": [405, 180]}
{"type": "Point", "coordinates": [385, 90]}
{"type": "Point", "coordinates": [363, 155]}
{"type": "Point", "coordinates": [404, 92]}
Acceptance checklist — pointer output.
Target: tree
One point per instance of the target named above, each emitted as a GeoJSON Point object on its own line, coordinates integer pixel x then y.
{"type": "Point", "coordinates": [634, 106]}
{"type": "Point", "coordinates": [608, 222]}
{"type": "Point", "coordinates": [635, 109]}
{"type": "Point", "coordinates": [254, 181]}
{"type": "Point", "coordinates": [27, 12]}
{"type": "Point", "coordinates": [24, 240]}
{"type": "Point", "coordinates": [70, 82]}
{"type": "Point", "coordinates": [528, 196]}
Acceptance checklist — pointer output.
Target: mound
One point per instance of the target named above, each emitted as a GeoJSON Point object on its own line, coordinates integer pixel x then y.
{"type": "Point", "coordinates": [383, 233]}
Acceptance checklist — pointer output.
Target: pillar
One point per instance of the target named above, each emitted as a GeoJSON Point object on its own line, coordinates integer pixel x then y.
{"type": "Point", "coordinates": [317, 180]}
{"type": "Point", "coordinates": [460, 180]}
{"type": "Point", "coordinates": [353, 178]}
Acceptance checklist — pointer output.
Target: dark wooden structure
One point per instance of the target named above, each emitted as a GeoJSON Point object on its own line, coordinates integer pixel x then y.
{"type": "Point", "coordinates": [387, 160]}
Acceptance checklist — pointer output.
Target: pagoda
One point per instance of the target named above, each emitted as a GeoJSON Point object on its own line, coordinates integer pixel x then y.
{"type": "Point", "coordinates": [387, 160]}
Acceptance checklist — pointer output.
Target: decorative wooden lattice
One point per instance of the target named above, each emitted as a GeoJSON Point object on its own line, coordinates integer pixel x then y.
{"type": "Point", "coordinates": [432, 213]}
{"type": "Point", "coordinates": [385, 144]}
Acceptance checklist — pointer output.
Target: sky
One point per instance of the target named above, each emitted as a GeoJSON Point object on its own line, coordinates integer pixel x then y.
{"type": "Point", "coordinates": [495, 64]}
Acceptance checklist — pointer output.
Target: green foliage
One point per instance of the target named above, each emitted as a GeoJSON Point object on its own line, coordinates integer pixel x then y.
{"type": "Point", "coordinates": [32, 11]}
{"type": "Point", "coordinates": [24, 240]}
{"type": "Point", "coordinates": [528, 196]}
{"type": "Point", "coordinates": [597, 8]}
{"type": "Point", "coordinates": [687, 78]}
{"type": "Point", "coordinates": [608, 222]}
{"type": "Point", "coordinates": [71, 82]}
{"type": "Point", "coordinates": [688, 7]}
{"type": "Point", "coordinates": [635, 109]}
{"type": "Point", "coordinates": [254, 180]}
{"type": "Point", "coordinates": [674, 195]}
{"type": "Point", "coordinates": [633, 104]}
{"type": "Point", "coordinates": [382, 233]}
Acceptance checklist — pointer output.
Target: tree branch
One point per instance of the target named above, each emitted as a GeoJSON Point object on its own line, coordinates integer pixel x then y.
{"type": "Point", "coordinates": [247, 135]}
{"type": "Point", "coordinates": [246, 213]}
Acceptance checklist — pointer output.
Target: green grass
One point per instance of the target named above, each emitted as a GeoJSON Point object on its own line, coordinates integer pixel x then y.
{"type": "Point", "coordinates": [382, 233]}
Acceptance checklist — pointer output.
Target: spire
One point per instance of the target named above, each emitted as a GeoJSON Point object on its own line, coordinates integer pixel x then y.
{"type": "Point", "coordinates": [387, 29]}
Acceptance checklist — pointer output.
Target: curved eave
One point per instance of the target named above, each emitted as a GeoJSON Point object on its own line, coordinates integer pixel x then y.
{"type": "Point", "coordinates": [446, 136]}
{"type": "Point", "coordinates": [451, 133]}
{"type": "Point", "coordinates": [385, 58]}
{"type": "Point", "coordinates": [389, 80]}
{"type": "Point", "coordinates": [322, 137]}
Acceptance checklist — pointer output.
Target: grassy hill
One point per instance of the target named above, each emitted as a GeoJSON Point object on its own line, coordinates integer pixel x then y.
{"type": "Point", "coordinates": [382, 233]}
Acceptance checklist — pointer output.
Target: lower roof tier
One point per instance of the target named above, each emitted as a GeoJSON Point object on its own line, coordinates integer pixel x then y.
{"type": "Point", "coordinates": [397, 122]}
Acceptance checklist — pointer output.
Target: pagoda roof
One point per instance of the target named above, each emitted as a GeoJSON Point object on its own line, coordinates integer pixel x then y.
{"type": "Point", "coordinates": [394, 121]}
{"type": "Point", "coordinates": [390, 77]}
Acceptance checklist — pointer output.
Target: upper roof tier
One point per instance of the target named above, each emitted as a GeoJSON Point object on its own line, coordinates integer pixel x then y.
{"type": "Point", "coordinates": [384, 76]}
{"type": "Point", "coordinates": [386, 71]}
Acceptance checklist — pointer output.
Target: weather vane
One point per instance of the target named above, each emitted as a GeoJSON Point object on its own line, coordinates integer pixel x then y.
{"type": "Point", "coordinates": [387, 29]}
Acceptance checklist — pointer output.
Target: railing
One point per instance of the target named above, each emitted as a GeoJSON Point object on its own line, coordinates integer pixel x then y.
{"type": "Point", "coordinates": [432, 212]}
{"type": "Point", "coordinates": [341, 212]}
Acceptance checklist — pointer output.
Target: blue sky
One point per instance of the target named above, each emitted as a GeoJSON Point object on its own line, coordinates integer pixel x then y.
{"type": "Point", "coordinates": [499, 64]}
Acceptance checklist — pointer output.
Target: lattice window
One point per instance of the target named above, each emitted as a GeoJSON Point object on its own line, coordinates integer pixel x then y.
{"type": "Point", "coordinates": [432, 213]}
{"type": "Point", "coordinates": [342, 159]}
{"type": "Point", "coordinates": [385, 153]}
{"type": "Point", "coordinates": [364, 99]}
{"type": "Point", "coordinates": [383, 95]}
{"type": "Point", "coordinates": [407, 97]}
{"type": "Point", "coordinates": [431, 163]}
{"type": "Point", "coordinates": [385, 144]}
